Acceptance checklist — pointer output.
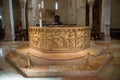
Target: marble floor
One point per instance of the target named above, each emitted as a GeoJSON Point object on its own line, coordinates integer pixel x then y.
{"type": "Point", "coordinates": [110, 72]}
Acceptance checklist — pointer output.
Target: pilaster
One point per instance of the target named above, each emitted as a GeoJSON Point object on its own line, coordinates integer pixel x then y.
{"type": "Point", "coordinates": [91, 3]}
{"type": "Point", "coordinates": [8, 20]}
{"type": "Point", "coordinates": [81, 12]}
{"type": "Point", "coordinates": [23, 6]}
{"type": "Point", "coordinates": [105, 18]}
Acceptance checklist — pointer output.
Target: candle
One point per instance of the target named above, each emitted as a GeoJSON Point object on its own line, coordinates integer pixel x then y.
{"type": "Point", "coordinates": [56, 5]}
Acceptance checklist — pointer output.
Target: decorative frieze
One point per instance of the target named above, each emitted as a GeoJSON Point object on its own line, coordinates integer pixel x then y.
{"type": "Point", "coordinates": [63, 39]}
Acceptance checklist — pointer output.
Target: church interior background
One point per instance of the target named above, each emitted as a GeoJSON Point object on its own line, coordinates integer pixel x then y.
{"type": "Point", "coordinates": [59, 40]}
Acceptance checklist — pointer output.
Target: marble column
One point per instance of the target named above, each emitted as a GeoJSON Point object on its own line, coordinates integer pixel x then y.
{"type": "Point", "coordinates": [23, 6]}
{"type": "Point", "coordinates": [91, 3]}
{"type": "Point", "coordinates": [30, 13]}
{"type": "Point", "coordinates": [105, 19]}
{"type": "Point", "coordinates": [81, 12]}
{"type": "Point", "coordinates": [8, 20]}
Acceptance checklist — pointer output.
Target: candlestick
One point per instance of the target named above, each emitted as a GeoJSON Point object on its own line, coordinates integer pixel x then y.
{"type": "Point", "coordinates": [40, 14]}
{"type": "Point", "coordinates": [40, 20]}
{"type": "Point", "coordinates": [39, 6]}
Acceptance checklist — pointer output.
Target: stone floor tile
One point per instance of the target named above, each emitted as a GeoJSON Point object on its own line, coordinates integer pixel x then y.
{"type": "Point", "coordinates": [110, 72]}
{"type": "Point", "coordinates": [107, 72]}
{"type": "Point", "coordinates": [116, 76]}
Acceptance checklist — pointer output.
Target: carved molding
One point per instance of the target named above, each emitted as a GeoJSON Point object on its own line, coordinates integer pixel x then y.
{"type": "Point", "coordinates": [22, 3]}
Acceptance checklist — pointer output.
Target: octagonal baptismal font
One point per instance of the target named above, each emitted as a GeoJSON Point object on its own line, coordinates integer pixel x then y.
{"type": "Point", "coordinates": [59, 39]}
{"type": "Point", "coordinates": [59, 51]}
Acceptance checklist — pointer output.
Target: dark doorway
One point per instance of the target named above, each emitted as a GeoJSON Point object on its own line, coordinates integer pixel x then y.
{"type": "Point", "coordinates": [97, 8]}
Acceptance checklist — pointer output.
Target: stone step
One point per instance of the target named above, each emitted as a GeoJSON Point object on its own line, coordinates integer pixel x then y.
{"type": "Point", "coordinates": [53, 70]}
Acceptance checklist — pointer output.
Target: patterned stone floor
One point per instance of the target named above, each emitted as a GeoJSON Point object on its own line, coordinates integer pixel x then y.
{"type": "Point", "coordinates": [109, 72]}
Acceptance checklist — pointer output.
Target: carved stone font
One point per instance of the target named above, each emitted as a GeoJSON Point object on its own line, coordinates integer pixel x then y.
{"type": "Point", "coordinates": [63, 39]}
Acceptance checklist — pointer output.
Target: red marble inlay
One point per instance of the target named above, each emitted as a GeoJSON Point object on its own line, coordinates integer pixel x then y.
{"type": "Point", "coordinates": [82, 78]}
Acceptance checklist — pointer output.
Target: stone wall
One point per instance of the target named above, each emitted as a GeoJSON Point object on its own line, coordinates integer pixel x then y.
{"type": "Point", "coordinates": [62, 9]}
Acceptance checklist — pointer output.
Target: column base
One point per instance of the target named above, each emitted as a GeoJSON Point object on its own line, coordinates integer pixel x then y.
{"type": "Point", "coordinates": [8, 38]}
{"type": "Point", "coordinates": [107, 38]}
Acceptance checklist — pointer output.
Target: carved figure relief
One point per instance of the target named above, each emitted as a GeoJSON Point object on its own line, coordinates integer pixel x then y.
{"type": "Point", "coordinates": [47, 39]}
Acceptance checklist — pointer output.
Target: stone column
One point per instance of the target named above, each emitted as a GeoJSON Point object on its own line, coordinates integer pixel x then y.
{"type": "Point", "coordinates": [23, 6]}
{"type": "Point", "coordinates": [81, 12]}
{"type": "Point", "coordinates": [105, 18]}
{"type": "Point", "coordinates": [91, 3]}
{"type": "Point", "coordinates": [8, 20]}
{"type": "Point", "coordinates": [30, 13]}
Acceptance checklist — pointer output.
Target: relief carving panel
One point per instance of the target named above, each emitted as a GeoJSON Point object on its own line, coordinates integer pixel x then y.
{"type": "Point", "coordinates": [63, 39]}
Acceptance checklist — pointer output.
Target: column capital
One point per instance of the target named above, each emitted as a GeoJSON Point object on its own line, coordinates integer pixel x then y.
{"type": "Point", "coordinates": [91, 2]}
{"type": "Point", "coordinates": [22, 1]}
